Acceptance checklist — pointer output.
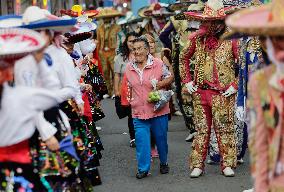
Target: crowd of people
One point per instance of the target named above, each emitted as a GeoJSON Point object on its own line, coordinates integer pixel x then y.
{"type": "Point", "coordinates": [219, 64]}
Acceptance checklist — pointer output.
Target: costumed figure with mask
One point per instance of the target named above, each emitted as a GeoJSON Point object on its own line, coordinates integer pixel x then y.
{"type": "Point", "coordinates": [213, 87]}
{"type": "Point", "coordinates": [107, 41]}
{"type": "Point", "coordinates": [89, 69]}
{"type": "Point", "coordinates": [174, 36]}
{"type": "Point", "coordinates": [252, 56]}
{"type": "Point", "coordinates": [265, 95]}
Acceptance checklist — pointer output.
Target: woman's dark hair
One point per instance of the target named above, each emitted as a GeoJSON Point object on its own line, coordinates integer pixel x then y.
{"type": "Point", "coordinates": [123, 49]}
{"type": "Point", "coordinates": [142, 39]}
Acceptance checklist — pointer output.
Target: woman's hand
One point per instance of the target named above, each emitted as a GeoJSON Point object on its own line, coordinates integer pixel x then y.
{"type": "Point", "coordinates": [81, 109]}
{"type": "Point", "coordinates": [52, 143]}
{"type": "Point", "coordinates": [159, 85]}
{"type": "Point", "coordinates": [116, 84]}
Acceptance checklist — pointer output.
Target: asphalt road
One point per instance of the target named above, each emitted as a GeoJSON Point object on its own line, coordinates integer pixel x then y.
{"type": "Point", "coordinates": [118, 166]}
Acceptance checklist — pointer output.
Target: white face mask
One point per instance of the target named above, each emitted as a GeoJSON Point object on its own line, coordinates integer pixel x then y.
{"type": "Point", "coordinates": [271, 55]}
{"type": "Point", "coordinates": [87, 46]}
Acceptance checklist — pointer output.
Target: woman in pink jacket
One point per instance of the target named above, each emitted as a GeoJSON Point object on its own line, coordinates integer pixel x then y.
{"type": "Point", "coordinates": [139, 74]}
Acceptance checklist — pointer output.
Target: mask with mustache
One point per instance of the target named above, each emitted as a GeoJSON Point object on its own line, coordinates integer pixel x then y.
{"type": "Point", "coordinates": [87, 46]}
{"type": "Point", "coordinates": [212, 29]}
{"type": "Point", "coordinates": [277, 79]}
{"type": "Point", "coordinates": [271, 55]}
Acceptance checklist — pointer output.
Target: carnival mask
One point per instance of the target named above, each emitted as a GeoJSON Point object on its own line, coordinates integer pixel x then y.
{"type": "Point", "coordinates": [87, 46]}
{"type": "Point", "coordinates": [211, 28]}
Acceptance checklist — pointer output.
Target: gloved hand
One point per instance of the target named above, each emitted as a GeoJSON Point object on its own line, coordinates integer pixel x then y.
{"type": "Point", "coordinates": [240, 113]}
{"type": "Point", "coordinates": [190, 87]}
{"type": "Point", "coordinates": [230, 91]}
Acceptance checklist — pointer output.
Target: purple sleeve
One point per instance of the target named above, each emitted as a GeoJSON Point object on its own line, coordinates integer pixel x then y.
{"type": "Point", "coordinates": [165, 35]}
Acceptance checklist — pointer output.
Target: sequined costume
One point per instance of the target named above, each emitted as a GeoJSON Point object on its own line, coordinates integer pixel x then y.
{"type": "Point", "coordinates": [252, 58]}
{"type": "Point", "coordinates": [214, 72]}
{"type": "Point", "coordinates": [96, 80]}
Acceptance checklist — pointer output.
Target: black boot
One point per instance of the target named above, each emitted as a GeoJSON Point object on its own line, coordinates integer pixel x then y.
{"type": "Point", "coordinates": [164, 169]}
{"type": "Point", "coordinates": [141, 175]}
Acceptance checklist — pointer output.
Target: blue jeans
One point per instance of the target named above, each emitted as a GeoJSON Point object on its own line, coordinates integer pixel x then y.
{"type": "Point", "coordinates": [159, 127]}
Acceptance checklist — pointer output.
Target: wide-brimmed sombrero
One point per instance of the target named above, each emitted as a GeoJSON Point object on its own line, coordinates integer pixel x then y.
{"type": "Point", "coordinates": [107, 13]}
{"type": "Point", "coordinates": [124, 20]}
{"type": "Point", "coordinates": [155, 10]}
{"type": "Point", "coordinates": [77, 11]}
{"type": "Point", "coordinates": [16, 43]}
{"type": "Point", "coordinates": [213, 10]}
{"type": "Point", "coordinates": [84, 32]}
{"type": "Point", "coordinates": [265, 20]}
{"type": "Point", "coordinates": [195, 7]}
{"type": "Point", "coordinates": [37, 19]}
{"type": "Point", "coordinates": [182, 5]}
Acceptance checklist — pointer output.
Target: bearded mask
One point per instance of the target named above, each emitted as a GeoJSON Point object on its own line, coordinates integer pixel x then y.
{"type": "Point", "coordinates": [87, 46]}
{"type": "Point", "coordinates": [211, 29]}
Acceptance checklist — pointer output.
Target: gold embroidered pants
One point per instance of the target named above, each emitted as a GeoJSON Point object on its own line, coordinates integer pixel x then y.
{"type": "Point", "coordinates": [211, 108]}
{"type": "Point", "coordinates": [107, 62]}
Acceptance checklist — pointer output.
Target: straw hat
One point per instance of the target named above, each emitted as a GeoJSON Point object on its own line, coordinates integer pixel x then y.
{"type": "Point", "coordinates": [182, 5]}
{"type": "Point", "coordinates": [265, 20]}
{"type": "Point", "coordinates": [124, 20]}
{"type": "Point", "coordinates": [107, 13]}
{"type": "Point", "coordinates": [16, 43]}
{"type": "Point", "coordinates": [154, 10]}
{"type": "Point", "coordinates": [38, 19]}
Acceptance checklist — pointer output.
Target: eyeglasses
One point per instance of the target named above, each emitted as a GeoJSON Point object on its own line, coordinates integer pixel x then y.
{"type": "Point", "coordinates": [138, 49]}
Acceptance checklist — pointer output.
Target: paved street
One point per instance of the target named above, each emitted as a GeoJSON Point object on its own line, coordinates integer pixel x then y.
{"type": "Point", "coordinates": [118, 166]}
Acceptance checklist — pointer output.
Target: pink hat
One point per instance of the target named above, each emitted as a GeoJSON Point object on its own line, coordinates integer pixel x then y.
{"type": "Point", "coordinates": [267, 20]}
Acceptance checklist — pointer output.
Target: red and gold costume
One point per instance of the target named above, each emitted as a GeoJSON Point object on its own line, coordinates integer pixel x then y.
{"type": "Point", "coordinates": [214, 73]}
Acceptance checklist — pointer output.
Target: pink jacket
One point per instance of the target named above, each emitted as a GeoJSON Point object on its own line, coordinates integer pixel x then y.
{"type": "Point", "coordinates": [140, 86]}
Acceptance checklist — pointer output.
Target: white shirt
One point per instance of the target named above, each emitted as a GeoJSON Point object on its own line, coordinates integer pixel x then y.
{"type": "Point", "coordinates": [19, 108]}
{"type": "Point", "coordinates": [64, 75]}
{"type": "Point", "coordinates": [28, 73]}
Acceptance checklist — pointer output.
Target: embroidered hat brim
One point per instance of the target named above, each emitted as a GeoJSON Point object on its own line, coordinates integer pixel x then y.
{"type": "Point", "coordinates": [108, 13]}
{"type": "Point", "coordinates": [222, 14]}
{"type": "Point", "coordinates": [255, 21]}
{"type": "Point", "coordinates": [16, 43]}
{"type": "Point", "coordinates": [57, 25]}
{"type": "Point", "coordinates": [202, 17]}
